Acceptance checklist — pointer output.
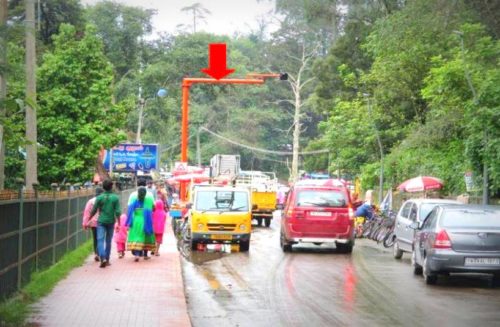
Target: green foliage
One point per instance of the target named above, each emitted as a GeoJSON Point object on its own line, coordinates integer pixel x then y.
{"type": "Point", "coordinates": [476, 118]}
{"type": "Point", "coordinates": [13, 121]}
{"type": "Point", "coordinates": [122, 29]}
{"type": "Point", "coordinates": [413, 70]}
{"type": "Point", "coordinates": [76, 115]}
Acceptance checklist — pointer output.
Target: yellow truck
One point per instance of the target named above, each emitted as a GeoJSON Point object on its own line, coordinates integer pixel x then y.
{"type": "Point", "coordinates": [264, 188]}
{"type": "Point", "coordinates": [220, 214]}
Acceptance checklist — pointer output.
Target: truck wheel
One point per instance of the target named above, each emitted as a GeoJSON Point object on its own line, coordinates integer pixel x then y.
{"type": "Point", "coordinates": [194, 245]}
{"type": "Point", "coordinates": [267, 222]}
{"type": "Point", "coordinates": [259, 221]}
{"type": "Point", "coordinates": [244, 246]}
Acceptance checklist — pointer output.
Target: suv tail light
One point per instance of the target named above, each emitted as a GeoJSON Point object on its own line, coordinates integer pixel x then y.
{"type": "Point", "coordinates": [295, 214]}
{"type": "Point", "coordinates": [442, 240]}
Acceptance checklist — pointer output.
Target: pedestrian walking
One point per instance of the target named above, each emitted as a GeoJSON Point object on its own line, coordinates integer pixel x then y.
{"type": "Point", "coordinates": [159, 218]}
{"type": "Point", "coordinates": [141, 236]}
{"type": "Point", "coordinates": [141, 182]}
{"type": "Point", "coordinates": [90, 222]}
{"type": "Point", "coordinates": [151, 188]}
{"type": "Point", "coordinates": [108, 205]}
{"type": "Point", "coordinates": [121, 231]}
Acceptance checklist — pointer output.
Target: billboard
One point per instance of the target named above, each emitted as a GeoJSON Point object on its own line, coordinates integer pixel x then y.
{"type": "Point", "coordinates": [132, 158]}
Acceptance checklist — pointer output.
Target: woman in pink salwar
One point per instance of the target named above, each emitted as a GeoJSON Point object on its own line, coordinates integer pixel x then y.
{"type": "Point", "coordinates": [120, 235]}
{"type": "Point", "coordinates": [91, 222]}
{"type": "Point", "coordinates": [159, 218]}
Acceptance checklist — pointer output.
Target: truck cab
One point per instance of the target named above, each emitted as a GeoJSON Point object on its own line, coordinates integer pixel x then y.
{"type": "Point", "coordinates": [263, 187]}
{"type": "Point", "coordinates": [220, 214]}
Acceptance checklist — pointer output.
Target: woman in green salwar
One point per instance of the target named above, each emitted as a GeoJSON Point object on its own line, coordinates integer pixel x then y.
{"type": "Point", "coordinates": [141, 237]}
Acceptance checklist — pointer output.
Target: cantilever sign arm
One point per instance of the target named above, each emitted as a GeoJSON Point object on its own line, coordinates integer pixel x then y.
{"type": "Point", "coordinates": [253, 78]}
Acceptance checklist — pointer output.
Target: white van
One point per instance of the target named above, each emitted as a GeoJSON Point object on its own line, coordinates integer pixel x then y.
{"type": "Point", "coordinates": [413, 210]}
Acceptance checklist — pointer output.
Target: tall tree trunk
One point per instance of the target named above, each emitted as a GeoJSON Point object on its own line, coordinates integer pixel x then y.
{"type": "Point", "coordinates": [296, 136]}
{"type": "Point", "coordinates": [3, 85]}
{"type": "Point", "coordinates": [31, 124]}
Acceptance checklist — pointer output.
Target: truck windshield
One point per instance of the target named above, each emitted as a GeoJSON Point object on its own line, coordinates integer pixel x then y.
{"type": "Point", "coordinates": [221, 200]}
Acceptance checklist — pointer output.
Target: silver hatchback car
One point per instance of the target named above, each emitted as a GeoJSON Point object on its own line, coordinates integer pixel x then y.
{"type": "Point", "coordinates": [413, 210]}
{"type": "Point", "coordinates": [458, 239]}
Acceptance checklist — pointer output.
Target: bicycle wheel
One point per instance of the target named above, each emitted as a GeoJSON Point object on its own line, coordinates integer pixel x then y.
{"type": "Point", "coordinates": [389, 239]}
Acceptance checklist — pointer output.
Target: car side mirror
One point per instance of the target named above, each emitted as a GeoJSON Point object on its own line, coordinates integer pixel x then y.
{"type": "Point", "coordinates": [414, 225]}
{"type": "Point", "coordinates": [254, 207]}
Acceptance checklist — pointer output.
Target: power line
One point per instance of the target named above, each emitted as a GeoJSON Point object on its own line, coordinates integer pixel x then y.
{"type": "Point", "coordinates": [280, 153]}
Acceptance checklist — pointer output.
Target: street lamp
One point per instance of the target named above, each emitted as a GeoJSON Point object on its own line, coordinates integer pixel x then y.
{"type": "Point", "coordinates": [161, 93]}
{"type": "Point", "coordinates": [381, 177]}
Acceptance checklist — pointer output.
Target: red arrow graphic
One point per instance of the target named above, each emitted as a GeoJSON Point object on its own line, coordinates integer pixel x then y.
{"type": "Point", "coordinates": [217, 67]}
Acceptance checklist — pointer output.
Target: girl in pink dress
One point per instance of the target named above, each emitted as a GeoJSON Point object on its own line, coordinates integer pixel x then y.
{"type": "Point", "coordinates": [121, 235]}
{"type": "Point", "coordinates": [159, 218]}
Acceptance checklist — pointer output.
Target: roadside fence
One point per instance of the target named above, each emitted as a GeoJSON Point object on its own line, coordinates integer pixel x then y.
{"type": "Point", "coordinates": [37, 228]}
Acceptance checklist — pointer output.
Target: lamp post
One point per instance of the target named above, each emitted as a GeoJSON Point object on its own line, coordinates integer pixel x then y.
{"type": "Point", "coordinates": [381, 177]}
{"type": "Point", "coordinates": [142, 104]}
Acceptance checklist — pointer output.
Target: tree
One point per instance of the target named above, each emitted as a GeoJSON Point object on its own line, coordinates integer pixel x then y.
{"type": "Point", "coordinates": [76, 115]}
{"type": "Point", "coordinates": [31, 177]}
{"type": "Point", "coordinates": [122, 29]}
{"type": "Point", "coordinates": [51, 14]}
{"type": "Point", "coordinates": [3, 85]}
{"type": "Point", "coordinates": [198, 12]}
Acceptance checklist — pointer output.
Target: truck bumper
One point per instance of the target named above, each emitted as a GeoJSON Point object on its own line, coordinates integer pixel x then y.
{"type": "Point", "coordinates": [209, 238]}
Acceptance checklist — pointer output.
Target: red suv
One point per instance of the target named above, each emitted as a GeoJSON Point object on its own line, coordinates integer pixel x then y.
{"type": "Point", "coordinates": [318, 211]}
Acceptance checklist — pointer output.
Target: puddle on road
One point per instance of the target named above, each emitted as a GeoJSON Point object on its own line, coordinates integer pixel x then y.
{"type": "Point", "coordinates": [199, 257]}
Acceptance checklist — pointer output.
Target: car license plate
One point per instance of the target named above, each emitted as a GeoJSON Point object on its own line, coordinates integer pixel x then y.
{"type": "Point", "coordinates": [320, 214]}
{"type": "Point", "coordinates": [482, 261]}
{"type": "Point", "coordinates": [221, 237]}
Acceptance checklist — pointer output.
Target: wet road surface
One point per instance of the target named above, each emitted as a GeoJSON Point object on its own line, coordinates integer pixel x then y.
{"type": "Point", "coordinates": [315, 286]}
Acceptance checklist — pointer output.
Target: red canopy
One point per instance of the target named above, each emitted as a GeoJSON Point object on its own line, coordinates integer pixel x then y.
{"type": "Point", "coordinates": [196, 178]}
{"type": "Point", "coordinates": [420, 184]}
{"type": "Point", "coordinates": [188, 170]}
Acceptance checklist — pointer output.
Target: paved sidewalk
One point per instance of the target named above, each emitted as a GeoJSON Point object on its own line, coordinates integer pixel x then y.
{"type": "Point", "coordinates": [127, 293]}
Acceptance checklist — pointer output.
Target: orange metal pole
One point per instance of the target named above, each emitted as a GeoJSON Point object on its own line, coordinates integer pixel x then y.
{"type": "Point", "coordinates": [185, 120]}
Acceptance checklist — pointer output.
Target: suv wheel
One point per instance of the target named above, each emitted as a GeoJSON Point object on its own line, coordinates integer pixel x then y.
{"type": "Point", "coordinates": [396, 251]}
{"type": "Point", "coordinates": [344, 247]}
{"type": "Point", "coordinates": [285, 246]}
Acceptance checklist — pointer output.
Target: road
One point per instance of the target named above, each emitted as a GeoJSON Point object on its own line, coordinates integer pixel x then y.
{"type": "Point", "coordinates": [315, 286]}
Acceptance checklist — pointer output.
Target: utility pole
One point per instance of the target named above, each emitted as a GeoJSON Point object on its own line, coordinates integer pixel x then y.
{"type": "Point", "coordinates": [476, 102]}
{"type": "Point", "coordinates": [198, 150]}
{"type": "Point", "coordinates": [142, 103]}
{"type": "Point", "coordinates": [3, 85]}
{"type": "Point", "coordinates": [379, 141]}
{"type": "Point", "coordinates": [31, 123]}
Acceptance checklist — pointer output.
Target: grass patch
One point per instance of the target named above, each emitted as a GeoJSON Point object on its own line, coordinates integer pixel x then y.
{"type": "Point", "coordinates": [15, 310]}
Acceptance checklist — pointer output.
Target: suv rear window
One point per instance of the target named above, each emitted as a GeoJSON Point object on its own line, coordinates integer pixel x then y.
{"type": "Point", "coordinates": [321, 198]}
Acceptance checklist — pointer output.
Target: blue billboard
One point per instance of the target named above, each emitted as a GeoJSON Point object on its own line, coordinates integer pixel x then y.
{"type": "Point", "coordinates": [132, 158]}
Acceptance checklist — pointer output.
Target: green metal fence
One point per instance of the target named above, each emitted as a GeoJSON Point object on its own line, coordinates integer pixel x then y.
{"type": "Point", "coordinates": [36, 230]}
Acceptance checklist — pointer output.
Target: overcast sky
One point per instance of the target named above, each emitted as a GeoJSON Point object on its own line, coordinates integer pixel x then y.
{"type": "Point", "coordinates": [227, 16]}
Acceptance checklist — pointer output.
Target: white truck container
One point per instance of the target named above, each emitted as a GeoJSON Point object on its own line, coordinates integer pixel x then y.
{"type": "Point", "coordinates": [225, 165]}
